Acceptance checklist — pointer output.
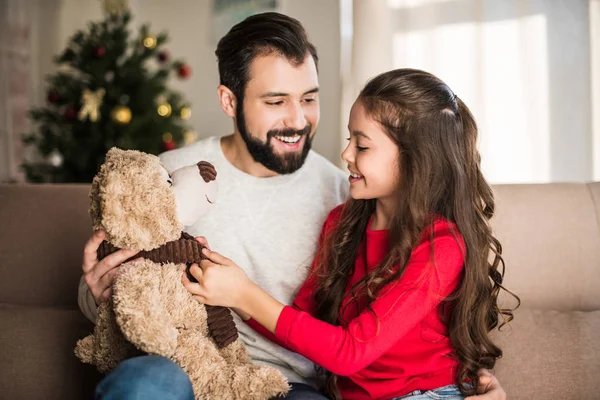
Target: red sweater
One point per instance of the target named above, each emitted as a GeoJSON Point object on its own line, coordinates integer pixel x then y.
{"type": "Point", "coordinates": [404, 347]}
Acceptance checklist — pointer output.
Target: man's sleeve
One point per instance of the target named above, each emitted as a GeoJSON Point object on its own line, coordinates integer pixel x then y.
{"type": "Point", "coordinates": [86, 301]}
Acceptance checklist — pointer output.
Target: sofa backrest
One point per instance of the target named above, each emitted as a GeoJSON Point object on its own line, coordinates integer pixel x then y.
{"type": "Point", "coordinates": [43, 229]}
{"type": "Point", "coordinates": [550, 234]}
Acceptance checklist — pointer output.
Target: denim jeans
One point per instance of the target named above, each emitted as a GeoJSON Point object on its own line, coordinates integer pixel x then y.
{"type": "Point", "coordinates": [154, 377]}
{"type": "Point", "coordinates": [146, 377]}
{"type": "Point", "coordinates": [302, 391]}
{"type": "Point", "coordinates": [450, 392]}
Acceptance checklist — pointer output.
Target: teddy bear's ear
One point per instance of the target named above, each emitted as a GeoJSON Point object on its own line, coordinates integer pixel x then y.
{"type": "Point", "coordinates": [115, 153]}
{"type": "Point", "coordinates": [95, 191]}
{"type": "Point", "coordinates": [132, 202]}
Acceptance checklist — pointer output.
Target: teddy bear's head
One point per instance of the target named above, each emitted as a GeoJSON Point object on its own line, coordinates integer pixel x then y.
{"type": "Point", "coordinates": [141, 206]}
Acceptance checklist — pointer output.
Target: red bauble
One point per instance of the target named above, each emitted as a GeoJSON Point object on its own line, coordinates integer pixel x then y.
{"type": "Point", "coordinates": [184, 71]}
{"type": "Point", "coordinates": [99, 52]}
{"type": "Point", "coordinates": [70, 113]}
{"type": "Point", "coordinates": [170, 145]}
{"type": "Point", "coordinates": [163, 56]}
{"type": "Point", "coordinates": [53, 97]}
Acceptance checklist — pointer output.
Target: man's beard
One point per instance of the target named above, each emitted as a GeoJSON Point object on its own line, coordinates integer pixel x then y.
{"type": "Point", "coordinates": [264, 152]}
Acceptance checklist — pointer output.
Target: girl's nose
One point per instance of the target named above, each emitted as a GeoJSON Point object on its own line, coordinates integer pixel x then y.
{"type": "Point", "coordinates": [347, 155]}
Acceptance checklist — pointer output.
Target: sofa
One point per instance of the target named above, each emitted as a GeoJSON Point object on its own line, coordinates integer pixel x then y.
{"type": "Point", "coordinates": [551, 245]}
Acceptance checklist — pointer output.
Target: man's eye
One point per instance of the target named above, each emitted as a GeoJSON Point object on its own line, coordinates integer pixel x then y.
{"type": "Point", "coordinates": [274, 103]}
{"type": "Point", "coordinates": [309, 100]}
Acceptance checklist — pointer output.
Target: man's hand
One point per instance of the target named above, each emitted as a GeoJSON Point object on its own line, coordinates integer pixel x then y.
{"type": "Point", "coordinates": [488, 387]}
{"type": "Point", "coordinates": [100, 275]}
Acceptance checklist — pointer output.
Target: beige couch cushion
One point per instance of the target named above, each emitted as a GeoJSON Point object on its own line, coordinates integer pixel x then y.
{"type": "Point", "coordinates": [37, 356]}
{"type": "Point", "coordinates": [550, 355]}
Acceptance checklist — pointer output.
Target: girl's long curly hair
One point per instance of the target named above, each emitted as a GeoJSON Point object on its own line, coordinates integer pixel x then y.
{"type": "Point", "coordinates": [439, 174]}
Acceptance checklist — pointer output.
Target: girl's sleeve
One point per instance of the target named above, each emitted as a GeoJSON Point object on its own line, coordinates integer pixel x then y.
{"type": "Point", "coordinates": [399, 307]}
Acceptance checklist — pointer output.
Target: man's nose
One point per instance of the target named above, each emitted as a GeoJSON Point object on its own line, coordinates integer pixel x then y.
{"type": "Point", "coordinates": [296, 119]}
{"type": "Point", "coordinates": [207, 171]}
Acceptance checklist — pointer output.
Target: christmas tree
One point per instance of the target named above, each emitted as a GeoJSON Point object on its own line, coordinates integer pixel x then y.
{"type": "Point", "coordinates": [109, 90]}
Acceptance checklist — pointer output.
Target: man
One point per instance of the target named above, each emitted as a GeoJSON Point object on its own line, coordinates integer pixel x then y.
{"type": "Point", "coordinates": [274, 195]}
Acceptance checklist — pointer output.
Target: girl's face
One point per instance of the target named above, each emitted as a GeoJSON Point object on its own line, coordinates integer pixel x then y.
{"type": "Point", "coordinates": [372, 158]}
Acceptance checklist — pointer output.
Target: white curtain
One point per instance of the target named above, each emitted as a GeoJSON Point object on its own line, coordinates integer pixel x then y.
{"type": "Point", "coordinates": [15, 83]}
{"type": "Point", "coordinates": [595, 45]}
{"type": "Point", "coordinates": [524, 68]}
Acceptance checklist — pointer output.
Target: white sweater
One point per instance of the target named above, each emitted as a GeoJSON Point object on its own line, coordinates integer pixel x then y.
{"type": "Point", "coordinates": [269, 227]}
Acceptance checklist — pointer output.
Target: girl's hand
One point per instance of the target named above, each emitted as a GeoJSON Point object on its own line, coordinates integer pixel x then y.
{"type": "Point", "coordinates": [202, 240]}
{"type": "Point", "coordinates": [221, 282]}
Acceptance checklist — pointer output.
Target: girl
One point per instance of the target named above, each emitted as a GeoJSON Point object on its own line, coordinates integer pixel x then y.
{"type": "Point", "coordinates": [401, 295]}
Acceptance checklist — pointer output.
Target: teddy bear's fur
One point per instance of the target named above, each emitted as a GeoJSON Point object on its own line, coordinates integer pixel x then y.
{"type": "Point", "coordinates": [150, 311]}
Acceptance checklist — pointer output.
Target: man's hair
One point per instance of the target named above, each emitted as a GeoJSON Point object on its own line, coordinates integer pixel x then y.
{"type": "Point", "coordinates": [260, 34]}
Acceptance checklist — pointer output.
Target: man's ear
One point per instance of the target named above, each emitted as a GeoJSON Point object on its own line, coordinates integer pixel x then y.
{"type": "Point", "coordinates": [227, 100]}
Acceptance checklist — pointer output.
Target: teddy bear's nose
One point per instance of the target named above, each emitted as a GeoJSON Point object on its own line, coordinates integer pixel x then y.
{"type": "Point", "coordinates": [207, 171]}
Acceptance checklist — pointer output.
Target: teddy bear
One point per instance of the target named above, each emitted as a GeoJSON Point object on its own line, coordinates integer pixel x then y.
{"type": "Point", "coordinates": [141, 206]}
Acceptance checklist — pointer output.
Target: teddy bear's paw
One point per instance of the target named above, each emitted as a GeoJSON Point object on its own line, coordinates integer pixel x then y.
{"type": "Point", "coordinates": [210, 381]}
{"type": "Point", "coordinates": [258, 382]}
{"type": "Point", "coordinates": [84, 349]}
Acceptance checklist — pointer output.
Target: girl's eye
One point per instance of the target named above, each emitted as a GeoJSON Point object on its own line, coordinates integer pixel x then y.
{"type": "Point", "coordinates": [359, 148]}
{"type": "Point", "coordinates": [275, 103]}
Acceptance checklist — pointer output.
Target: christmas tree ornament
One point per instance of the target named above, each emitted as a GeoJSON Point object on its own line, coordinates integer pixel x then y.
{"type": "Point", "coordinates": [115, 7]}
{"type": "Point", "coordinates": [55, 158]}
{"type": "Point", "coordinates": [121, 114]}
{"type": "Point", "coordinates": [169, 145]}
{"type": "Point", "coordinates": [91, 104]}
{"type": "Point", "coordinates": [168, 142]}
{"type": "Point", "coordinates": [164, 110]}
{"type": "Point", "coordinates": [99, 52]}
{"type": "Point", "coordinates": [186, 113]}
{"type": "Point", "coordinates": [163, 56]}
{"type": "Point", "coordinates": [190, 136]}
{"type": "Point", "coordinates": [70, 113]}
{"type": "Point", "coordinates": [149, 41]}
{"type": "Point", "coordinates": [184, 71]}
{"type": "Point", "coordinates": [109, 76]}
{"type": "Point", "coordinates": [53, 97]}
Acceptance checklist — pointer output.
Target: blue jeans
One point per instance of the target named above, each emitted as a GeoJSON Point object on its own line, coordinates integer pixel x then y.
{"type": "Point", "coordinates": [146, 377]}
{"type": "Point", "coordinates": [302, 391]}
{"type": "Point", "coordinates": [450, 392]}
{"type": "Point", "coordinates": [155, 377]}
